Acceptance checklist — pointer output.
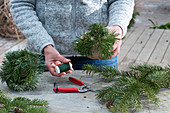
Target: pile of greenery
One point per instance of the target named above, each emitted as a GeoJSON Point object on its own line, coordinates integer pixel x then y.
{"type": "Point", "coordinates": [98, 39]}
{"type": "Point", "coordinates": [132, 21]}
{"type": "Point", "coordinates": [21, 70]}
{"type": "Point", "coordinates": [141, 82]}
{"type": "Point", "coordinates": [22, 105]}
{"type": "Point", "coordinates": [157, 26]}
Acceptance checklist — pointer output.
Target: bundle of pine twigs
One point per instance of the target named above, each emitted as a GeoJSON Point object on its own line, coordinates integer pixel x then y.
{"type": "Point", "coordinates": [8, 28]}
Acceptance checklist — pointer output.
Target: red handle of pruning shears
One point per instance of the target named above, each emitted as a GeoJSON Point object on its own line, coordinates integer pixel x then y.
{"type": "Point", "coordinates": [78, 82]}
{"type": "Point", "coordinates": [69, 90]}
{"type": "Point", "coordinates": [65, 90]}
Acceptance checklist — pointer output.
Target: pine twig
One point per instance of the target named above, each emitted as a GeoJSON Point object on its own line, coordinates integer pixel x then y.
{"type": "Point", "coordinates": [22, 105]}
{"type": "Point", "coordinates": [125, 93]}
{"type": "Point", "coordinates": [106, 72]}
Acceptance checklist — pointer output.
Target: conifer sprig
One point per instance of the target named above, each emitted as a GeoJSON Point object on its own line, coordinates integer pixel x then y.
{"type": "Point", "coordinates": [125, 93]}
{"type": "Point", "coordinates": [21, 70]}
{"type": "Point", "coordinates": [97, 40]}
{"type": "Point", "coordinates": [22, 105]}
{"type": "Point", "coordinates": [107, 72]}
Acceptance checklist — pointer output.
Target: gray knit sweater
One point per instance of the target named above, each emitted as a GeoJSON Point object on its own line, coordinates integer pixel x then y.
{"type": "Point", "coordinates": [58, 22]}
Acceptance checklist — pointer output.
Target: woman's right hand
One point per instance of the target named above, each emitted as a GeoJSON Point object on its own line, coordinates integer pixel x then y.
{"type": "Point", "coordinates": [53, 58]}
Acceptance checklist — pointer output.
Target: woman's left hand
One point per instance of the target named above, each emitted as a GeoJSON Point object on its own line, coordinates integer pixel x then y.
{"type": "Point", "coordinates": [117, 44]}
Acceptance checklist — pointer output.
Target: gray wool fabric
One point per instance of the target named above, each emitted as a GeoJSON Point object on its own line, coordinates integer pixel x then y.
{"type": "Point", "coordinates": [58, 22]}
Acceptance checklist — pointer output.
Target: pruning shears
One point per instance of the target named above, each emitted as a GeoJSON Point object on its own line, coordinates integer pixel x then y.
{"type": "Point", "coordinates": [83, 87]}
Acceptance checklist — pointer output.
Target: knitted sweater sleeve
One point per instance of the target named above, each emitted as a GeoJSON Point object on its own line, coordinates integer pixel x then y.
{"type": "Point", "coordinates": [120, 13]}
{"type": "Point", "coordinates": [24, 15]}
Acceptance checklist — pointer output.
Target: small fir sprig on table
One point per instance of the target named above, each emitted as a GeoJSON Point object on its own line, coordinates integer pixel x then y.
{"type": "Point", "coordinates": [157, 26]}
{"type": "Point", "coordinates": [21, 70]}
{"type": "Point", "coordinates": [22, 105]}
{"type": "Point", "coordinates": [107, 72]}
{"type": "Point", "coordinates": [127, 91]}
{"type": "Point", "coordinates": [97, 40]}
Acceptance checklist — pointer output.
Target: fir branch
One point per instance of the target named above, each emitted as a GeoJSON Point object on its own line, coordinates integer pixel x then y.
{"type": "Point", "coordinates": [157, 26]}
{"type": "Point", "coordinates": [21, 70]}
{"type": "Point", "coordinates": [146, 68]}
{"type": "Point", "coordinates": [22, 105]}
{"type": "Point", "coordinates": [107, 72]}
{"type": "Point", "coordinates": [126, 94]}
{"type": "Point", "coordinates": [98, 39]}
{"type": "Point", "coordinates": [140, 81]}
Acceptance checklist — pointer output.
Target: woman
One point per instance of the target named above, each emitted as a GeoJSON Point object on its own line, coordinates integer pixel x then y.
{"type": "Point", "coordinates": [51, 26]}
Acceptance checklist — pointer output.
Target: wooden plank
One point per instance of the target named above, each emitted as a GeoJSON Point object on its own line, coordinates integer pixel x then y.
{"type": "Point", "coordinates": [125, 48]}
{"type": "Point", "coordinates": [166, 59]}
{"type": "Point", "coordinates": [140, 43]}
{"type": "Point", "coordinates": [161, 48]}
{"type": "Point", "coordinates": [9, 45]}
{"type": "Point", "coordinates": [3, 41]}
{"type": "Point", "coordinates": [129, 32]}
{"type": "Point", "coordinates": [19, 46]}
{"type": "Point", "coordinates": [132, 55]}
{"type": "Point", "coordinates": [149, 47]}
